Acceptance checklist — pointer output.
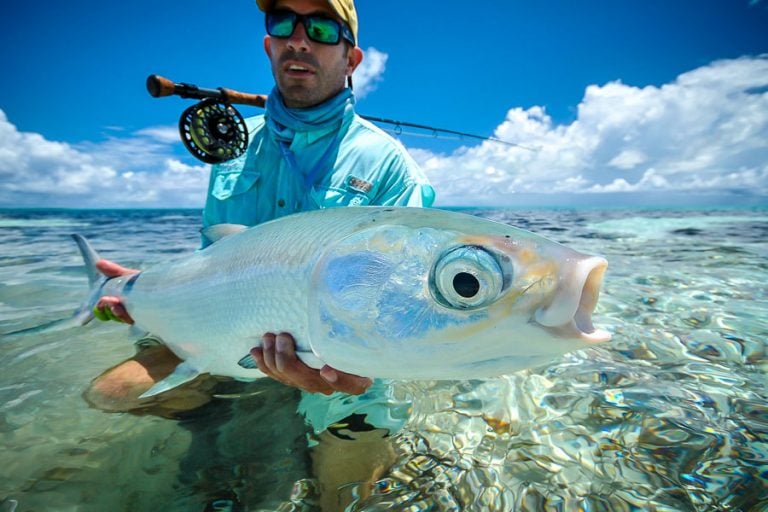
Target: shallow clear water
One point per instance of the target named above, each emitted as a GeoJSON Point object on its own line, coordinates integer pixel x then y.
{"type": "Point", "coordinates": [672, 415]}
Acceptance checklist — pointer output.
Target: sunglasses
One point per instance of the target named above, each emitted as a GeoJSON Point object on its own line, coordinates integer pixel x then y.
{"type": "Point", "coordinates": [319, 28]}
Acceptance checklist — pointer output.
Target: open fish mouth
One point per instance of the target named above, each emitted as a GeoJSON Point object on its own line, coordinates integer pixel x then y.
{"type": "Point", "coordinates": [570, 313]}
{"type": "Point", "coordinates": [590, 293]}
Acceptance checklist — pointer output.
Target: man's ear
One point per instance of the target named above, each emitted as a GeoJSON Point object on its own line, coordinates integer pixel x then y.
{"type": "Point", "coordinates": [268, 46]}
{"type": "Point", "coordinates": [354, 58]}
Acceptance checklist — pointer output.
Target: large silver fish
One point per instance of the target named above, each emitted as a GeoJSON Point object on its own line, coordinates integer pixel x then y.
{"type": "Point", "coordinates": [401, 293]}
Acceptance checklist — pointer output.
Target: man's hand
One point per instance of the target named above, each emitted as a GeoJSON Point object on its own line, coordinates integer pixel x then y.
{"type": "Point", "coordinates": [277, 359]}
{"type": "Point", "coordinates": [112, 308]}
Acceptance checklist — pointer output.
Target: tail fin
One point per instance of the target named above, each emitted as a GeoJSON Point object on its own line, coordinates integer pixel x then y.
{"type": "Point", "coordinates": [96, 280]}
{"type": "Point", "coordinates": [84, 312]}
{"type": "Point", "coordinates": [90, 257]}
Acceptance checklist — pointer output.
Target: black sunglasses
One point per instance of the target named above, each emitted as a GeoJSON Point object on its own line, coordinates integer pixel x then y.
{"type": "Point", "coordinates": [319, 28]}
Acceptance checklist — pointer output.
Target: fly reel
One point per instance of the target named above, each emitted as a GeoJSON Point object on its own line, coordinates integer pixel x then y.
{"type": "Point", "coordinates": [213, 131]}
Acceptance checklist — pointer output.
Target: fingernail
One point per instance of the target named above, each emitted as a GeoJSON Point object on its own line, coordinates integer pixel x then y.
{"type": "Point", "coordinates": [267, 342]}
{"type": "Point", "coordinates": [329, 374]}
{"type": "Point", "coordinates": [281, 345]}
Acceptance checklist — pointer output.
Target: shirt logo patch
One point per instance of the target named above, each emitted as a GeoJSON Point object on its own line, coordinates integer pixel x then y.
{"type": "Point", "coordinates": [359, 185]}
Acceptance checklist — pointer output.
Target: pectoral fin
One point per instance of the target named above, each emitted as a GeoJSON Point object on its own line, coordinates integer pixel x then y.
{"type": "Point", "coordinates": [183, 373]}
{"type": "Point", "coordinates": [248, 362]}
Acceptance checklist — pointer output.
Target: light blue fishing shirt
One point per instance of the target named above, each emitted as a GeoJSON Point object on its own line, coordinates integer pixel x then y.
{"type": "Point", "coordinates": [307, 159]}
{"type": "Point", "coordinates": [342, 161]}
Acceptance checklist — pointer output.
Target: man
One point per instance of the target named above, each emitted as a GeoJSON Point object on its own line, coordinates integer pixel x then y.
{"type": "Point", "coordinates": [310, 150]}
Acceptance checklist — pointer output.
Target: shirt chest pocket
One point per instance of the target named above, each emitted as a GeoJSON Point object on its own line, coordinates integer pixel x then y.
{"type": "Point", "coordinates": [227, 184]}
{"type": "Point", "coordinates": [331, 197]}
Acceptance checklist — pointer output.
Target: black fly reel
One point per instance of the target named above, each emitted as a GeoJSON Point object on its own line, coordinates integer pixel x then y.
{"type": "Point", "coordinates": [213, 132]}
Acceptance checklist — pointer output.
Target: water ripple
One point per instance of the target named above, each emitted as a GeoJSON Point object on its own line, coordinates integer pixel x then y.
{"type": "Point", "coordinates": [672, 415]}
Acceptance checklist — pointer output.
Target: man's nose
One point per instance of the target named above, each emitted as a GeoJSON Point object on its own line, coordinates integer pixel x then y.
{"type": "Point", "coordinates": [298, 41]}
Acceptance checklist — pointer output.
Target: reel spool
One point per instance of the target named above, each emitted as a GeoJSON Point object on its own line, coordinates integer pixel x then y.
{"type": "Point", "coordinates": [213, 132]}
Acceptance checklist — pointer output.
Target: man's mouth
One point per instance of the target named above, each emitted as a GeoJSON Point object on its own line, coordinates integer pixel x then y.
{"type": "Point", "coordinates": [297, 65]}
{"type": "Point", "coordinates": [298, 69]}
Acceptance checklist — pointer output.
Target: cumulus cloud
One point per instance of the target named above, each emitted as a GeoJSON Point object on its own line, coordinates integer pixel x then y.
{"type": "Point", "coordinates": [369, 72]}
{"type": "Point", "coordinates": [138, 169]}
{"type": "Point", "coordinates": [705, 132]}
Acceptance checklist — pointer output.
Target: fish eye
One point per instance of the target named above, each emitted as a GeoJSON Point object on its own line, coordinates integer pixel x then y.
{"type": "Point", "coordinates": [467, 277]}
{"type": "Point", "coordinates": [466, 284]}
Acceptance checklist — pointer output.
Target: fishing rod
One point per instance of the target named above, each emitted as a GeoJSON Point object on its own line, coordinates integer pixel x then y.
{"type": "Point", "coordinates": [214, 131]}
{"type": "Point", "coordinates": [399, 124]}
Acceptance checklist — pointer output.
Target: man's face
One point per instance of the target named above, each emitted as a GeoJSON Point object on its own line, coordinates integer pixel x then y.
{"type": "Point", "coordinates": [308, 73]}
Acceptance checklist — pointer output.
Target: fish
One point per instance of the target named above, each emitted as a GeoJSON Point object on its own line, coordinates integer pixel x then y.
{"type": "Point", "coordinates": [383, 292]}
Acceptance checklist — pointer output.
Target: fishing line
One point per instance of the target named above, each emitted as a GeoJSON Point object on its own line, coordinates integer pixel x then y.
{"type": "Point", "coordinates": [436, 136]}
{"type": "Point", "coordinates": [435, 130]}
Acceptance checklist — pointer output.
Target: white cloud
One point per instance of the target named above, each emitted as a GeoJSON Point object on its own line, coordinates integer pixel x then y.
{"type": "Point", "coordinates": [628, 159]}
{"type": "Point", "coordinates": [136, 170]}
{"type": "Point", "coordinates": [705, 132]}
{"type": "Point", "coordinates": [165, 134]}
{"type": "Point", "coordinates": [370, 72]}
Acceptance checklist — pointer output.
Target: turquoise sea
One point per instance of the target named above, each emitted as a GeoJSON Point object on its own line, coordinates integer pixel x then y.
{"type": "Point", "coordinates": [671, 415]}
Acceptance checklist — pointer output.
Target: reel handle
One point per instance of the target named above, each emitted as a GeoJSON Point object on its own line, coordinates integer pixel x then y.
{"type": "Point", "coordinates": [158, 87]}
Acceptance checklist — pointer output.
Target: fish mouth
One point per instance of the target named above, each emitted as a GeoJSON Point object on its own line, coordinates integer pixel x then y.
{"type": "Point", "coordinates": [570, 313]}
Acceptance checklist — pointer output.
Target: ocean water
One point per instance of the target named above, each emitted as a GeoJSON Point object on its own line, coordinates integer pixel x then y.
{"type": "Point", "coordinates": [671, 415]}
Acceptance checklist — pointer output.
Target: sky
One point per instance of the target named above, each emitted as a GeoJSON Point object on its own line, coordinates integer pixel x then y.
{"type": "Point", "coordinates": [608, 102]}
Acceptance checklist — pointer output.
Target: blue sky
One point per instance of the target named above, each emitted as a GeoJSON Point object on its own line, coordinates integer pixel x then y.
{"type": "Point", "coordinates": [620, 101]}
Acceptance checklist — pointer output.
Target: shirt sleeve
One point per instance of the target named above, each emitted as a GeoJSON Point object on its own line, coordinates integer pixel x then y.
{"type": "Point", "coordinates": [413, 194]}
{"type": "Point", "coordinates": [406, 184]}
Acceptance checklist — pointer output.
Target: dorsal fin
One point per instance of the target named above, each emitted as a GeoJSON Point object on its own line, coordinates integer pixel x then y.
{"type": "Point", "coordinates": [213, 234]}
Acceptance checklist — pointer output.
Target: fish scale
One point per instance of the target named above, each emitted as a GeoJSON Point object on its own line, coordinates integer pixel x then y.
{"type": "Point", "coordinates": [218, 284]}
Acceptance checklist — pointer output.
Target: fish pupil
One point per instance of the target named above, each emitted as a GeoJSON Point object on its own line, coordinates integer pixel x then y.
{"type": "Point", "coordinates": [466, 285]}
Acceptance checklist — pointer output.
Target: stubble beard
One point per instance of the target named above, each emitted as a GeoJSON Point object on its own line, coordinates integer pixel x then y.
{"type": "Point", "coordinates": [311, 90]}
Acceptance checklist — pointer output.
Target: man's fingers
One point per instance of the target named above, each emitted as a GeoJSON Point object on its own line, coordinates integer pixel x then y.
{"type": "Point", "coordinates": [257, 353]}
{"type": "Point", "coordinates": [306, 382]}
{"type": "Point", "coordinates": [285, 352]}
{"type": "Point", "coordinates": [294, 370]}
{"type": "Point", "coordinates": [120, 313]}
{"type": "Point", "coordinates": [265, 359]}
{"type": "Point", "coordinates": [277, 358]}
{"type": "Point", "coordinates": [112, 269]}
{"type": "Point", "coordinates": [111, 308]}
{"type": "Point", "coordinates": [345, 382]}
{"type": "Point", "coordinates": [304, 377]}
{"type": "Point", "coordinates": [268, 354]}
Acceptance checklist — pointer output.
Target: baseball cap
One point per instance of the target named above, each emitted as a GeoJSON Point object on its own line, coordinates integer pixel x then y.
{"type": "Point", "coordinates": [344, 9]}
